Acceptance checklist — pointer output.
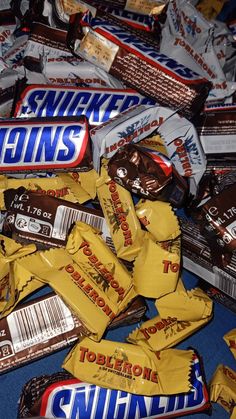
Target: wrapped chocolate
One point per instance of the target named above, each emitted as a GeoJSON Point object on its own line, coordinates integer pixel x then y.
{"type": "Point", "coordinates": [9, 252]}
{"type": "Point", "coordinates": [126, 367]}
{"type": "Point", "coordinates": [119, 212]}
{"type": "Point", "coordinates": [37, 144]}
{"type": "Point", "coordinates": [45, 394]}
{"type": "Point", "coordinates": [98, 105]}
{"type": "Point", "coordinates": [223, 388]}
{"type": "Point", "coordinates": [46, 220]}
{"type": "Point", "coordinates": [159, 219]}
{"type": "Point", "coordinates": [230, 339]}
{"type": "Point", "coordinates": [83, 296]}
{"type": "Point", "coordinates": [86, 247]}
{"type": "Point", "coordinates": [156, 268]}
{"type": "Point", "coordinates": [147, 173]}
{"type": "Point", "coordinates": [139, 64]}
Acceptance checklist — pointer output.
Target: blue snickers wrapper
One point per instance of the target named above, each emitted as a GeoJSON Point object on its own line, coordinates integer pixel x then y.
{"type": "Point", "coordinates": [62, 396]}
{"type": "Point", "coordinates": [97, 104]}
{"type": "Point", "coordinates": [39, 144]}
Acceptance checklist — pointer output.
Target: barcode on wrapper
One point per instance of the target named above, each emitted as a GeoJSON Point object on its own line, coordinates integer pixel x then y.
{"type": "Point", "coordinates": [65, 217]}
{"type": "Point", "coordinates": [39, 322]}
{"type": "Point", "coordinates": [224, 282]}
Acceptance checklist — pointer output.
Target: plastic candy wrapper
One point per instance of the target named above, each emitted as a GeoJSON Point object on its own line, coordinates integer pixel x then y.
{"type": "Point", "coordinates": [223, 388]}
{"type": "Point", "coordinates": [159, 219]}
{"type": "Point", "coordinates": [127, 367]}
{"type": "Point", "coordinates": [156, 268]}
{"type": "Point", "coordinates": [230, 339]}
{"type": "Point", "coordinates": [46, 220]}
{"type": "Point", "coordinates": [9, 252]}
{"type": "Point", "coordinates": [119, 212]}
{"type": "Point", "coordinates": [139, 65]}
{"type": "Point", "coordinates": [148, 174]}
{"type": "Point", "coordinates": [39, 144]}
{"type": "Point", "coordinates": [98, 105]}
{"type": "Point", "coordinates": [45, 394]}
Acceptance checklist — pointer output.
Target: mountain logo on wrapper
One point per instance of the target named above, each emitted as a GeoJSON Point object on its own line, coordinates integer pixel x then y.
{"type": "Point", "coordinates": [98, 105]}
{"type": "Point", "coordinates": [40, 144]}
{"type": "Point", "coordinates": [74, 399]}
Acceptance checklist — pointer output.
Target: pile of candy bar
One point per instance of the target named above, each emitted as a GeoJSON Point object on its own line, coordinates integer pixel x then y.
{"type": "Point", "coordinates": [117, 129]}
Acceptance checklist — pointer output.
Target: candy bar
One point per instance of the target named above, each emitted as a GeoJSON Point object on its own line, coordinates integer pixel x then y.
{"type": "Point", "coordinates": [46, 395]}
{"type": "Point", "coordinates": [46, 220]}
{"type": "Point", "coordinates": [148, 174]}
{"type": "Point", "coordinates": [140, 65]}
{"type": "Point", "coordinates": [159, 264]}
{"type": "Point", "coordinates": [119, 212]}
{"type": "Point", "coordinates": [46, 143]}
{"type": "Point", "coordinates": [64, 9]}
{"type": "Point", "coordinates": [159, 219]}
{"type": "Point", "coordinates": [217, 129]}
{"type": "Point", "coordinates": [51, 326]}
{"type": "Point", "coordinates": [127, 367]}
{"type": "Point", "coordinates": [98, 105]}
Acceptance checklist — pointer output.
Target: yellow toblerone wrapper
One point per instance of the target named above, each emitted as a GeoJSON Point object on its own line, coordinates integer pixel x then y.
{"type": "Point", "coordinates": [130, 368]}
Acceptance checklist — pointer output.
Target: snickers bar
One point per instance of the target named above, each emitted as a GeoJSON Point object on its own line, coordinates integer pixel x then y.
{"type": "Point", "coordinates": [44, 144]}
{"type": "Point", "coordinates": [98, 105]}
{"type": "Point", "coordinates": [139, 64]}
{"type": "Point", "coordinates": [62, 396]}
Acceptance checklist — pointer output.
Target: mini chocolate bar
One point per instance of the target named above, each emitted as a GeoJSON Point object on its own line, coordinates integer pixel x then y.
{"type": "Point", "coordinates": [147, 173]}
{"type": "Point", "coordinates": [139, 64]}
{"type": "Point", "coordinates": [98, 105]}
{"type": "Point", "coordinates": [45, 219]}
{"type": "Point", "coordinates": [38, 144]}
{"type": "Point", "coordinates": [46, 396]}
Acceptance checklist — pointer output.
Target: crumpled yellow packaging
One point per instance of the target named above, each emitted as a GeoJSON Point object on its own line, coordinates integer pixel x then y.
{"type": "Point", "coordinates": [159, 219]}
{"type": "Point", "coordinates": [87, 248]}
{"type": "Point", "coordinates": [155, 143]}
{"type": "Point", "coordinates": [130, 368]}
{"type": "Point", "coordinates": [79, 291]}
{"type": "Point", "coordinates": [223, 388]}
{"type": "Point", "coordinates": [82, 185]}
{"type": "Point", "coordinates": [230, 339]}
{"type": "Point", "coordinates": [156, 268]}
{"type": "Point", "coordinates": [22, 284]}
{"type": "Point", "coordinates": [53, 186]}
{"type": "Point", "coordinates": [190, 306]}
{"type": "Point", "coordinates": [119, 212]}
{"type": "Point", "coordinates": [10, 250]}
{"type": "Point", "coordinates": [210, 8]}
{"type": "Point", "coordinates": [160, 333]}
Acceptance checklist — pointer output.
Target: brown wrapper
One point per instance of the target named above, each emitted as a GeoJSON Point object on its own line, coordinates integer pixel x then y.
{"type": "Point", "coordinates": [44, 325]}
{"type": "Point", "coordinates": [156, 268]}
{"type": "Point", "coordinates": [217, 220]}
{"type": "Point", "coordinates": [130, 368]}
{"type": "Point", "coordinates": [119, 212]}
{"type": "Point", "coordinates": [139, 64]}
{"type": "Point", "coordinates": [148, 174]}
{"type": "Point", "coordinates": [223, 388]}
{"type": "Point", "coordinates": [46, 220]}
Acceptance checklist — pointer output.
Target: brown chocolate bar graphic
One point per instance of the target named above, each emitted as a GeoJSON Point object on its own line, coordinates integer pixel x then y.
{"type": "Point", "coordinates": [44, 325]}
